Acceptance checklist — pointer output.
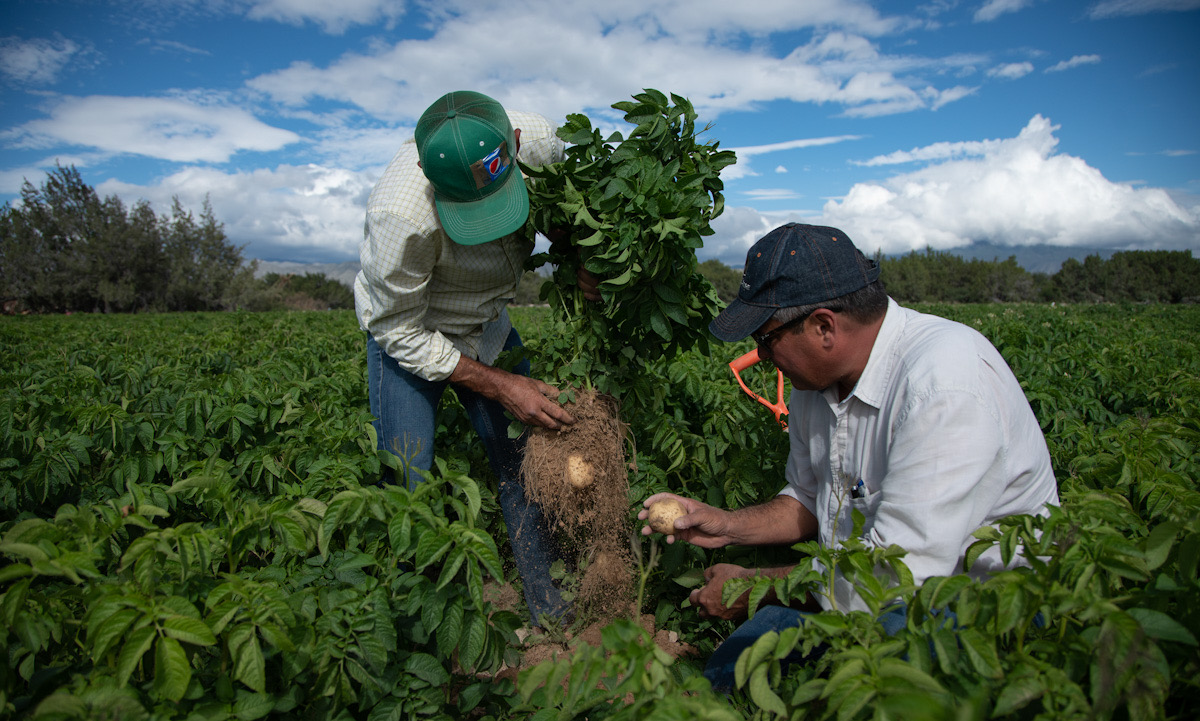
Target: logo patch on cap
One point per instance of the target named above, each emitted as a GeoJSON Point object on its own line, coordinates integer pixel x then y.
{"type": "Point", "coordinates": [491, 167]}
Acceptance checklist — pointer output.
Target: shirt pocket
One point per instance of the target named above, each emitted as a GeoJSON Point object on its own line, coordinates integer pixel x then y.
{"type": "Point", "coordinates": [868, 505]}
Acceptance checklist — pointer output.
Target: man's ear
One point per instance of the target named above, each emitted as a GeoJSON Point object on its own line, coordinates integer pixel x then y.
{"type": "Point", "coordinates": [826, 323]}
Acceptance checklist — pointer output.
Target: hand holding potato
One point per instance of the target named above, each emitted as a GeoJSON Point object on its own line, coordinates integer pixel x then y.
{"type": "Point", "coordinates": [699, 524]}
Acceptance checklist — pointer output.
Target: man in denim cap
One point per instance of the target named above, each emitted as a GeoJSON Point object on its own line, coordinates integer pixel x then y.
{"type": "Point", "coordinates": [913, 420]}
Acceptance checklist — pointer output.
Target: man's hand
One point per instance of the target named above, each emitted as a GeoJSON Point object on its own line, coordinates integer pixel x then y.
{"type": "Point", "coordinates": [588, 283]}
{"type": "Point", "coordinates": [531, 401]}
{"type": "Point", "coordinates": [707, 598]}
{"type": "Point", "coordinates": [703, 525]}
{"type": "Point", "coordinates": [557, 234]}
{"type": "Point", "coordinates": [780, 521]}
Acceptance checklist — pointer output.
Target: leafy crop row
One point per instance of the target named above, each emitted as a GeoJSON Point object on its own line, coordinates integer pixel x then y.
{"type": "Point", "coordinates": [191, 528]}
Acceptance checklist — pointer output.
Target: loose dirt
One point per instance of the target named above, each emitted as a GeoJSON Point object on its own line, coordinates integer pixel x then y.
{"type": "Point", "coordinates": [591, 518]}
{"type": "Point", "coordinates": [538, 647]}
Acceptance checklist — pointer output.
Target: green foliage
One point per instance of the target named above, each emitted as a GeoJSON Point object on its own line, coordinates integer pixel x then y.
{"type": "Point", "coordinates": [311, 291]}
{"type": "Point", "coordinates": [636, 209]}
{"type": "Point", "coordinates": [942, 276]}
{"type": "Point", "coordinates": [64, 249]}
{"type": "Point", "coordinates": [627, 677]}
{"type": "Point", "coordinates": [530, 287]}
{"type": "Point", "coordinates": [1145, 276]}
{"type": "Point", "coordinates": [1142, 276]}
{"type": "Point", "coordinates": [191, 522]}
{"type": "Point", "coordinates": [191, 528]}
{"type": "Point", "coordinates": [725, 280]}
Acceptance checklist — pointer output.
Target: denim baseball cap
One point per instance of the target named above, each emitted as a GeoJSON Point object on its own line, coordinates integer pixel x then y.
{"type": "Point", "coordinates": [466, 145]}
{"type": "Point", "coordinates": [793, 265]}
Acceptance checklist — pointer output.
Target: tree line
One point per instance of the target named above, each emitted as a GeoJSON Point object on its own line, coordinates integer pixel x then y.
{"type": "Point", "coordinates": [932, 276]}
{"type": "Point", "coordinates": [65, 249]}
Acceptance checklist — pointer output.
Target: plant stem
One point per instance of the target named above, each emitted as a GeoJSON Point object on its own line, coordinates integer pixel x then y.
{"type": "Point", "coordinates": [644, 570]}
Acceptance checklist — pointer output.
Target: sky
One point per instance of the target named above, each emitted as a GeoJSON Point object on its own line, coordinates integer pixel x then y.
{"type": "Point", "coordinates": [907, 124]}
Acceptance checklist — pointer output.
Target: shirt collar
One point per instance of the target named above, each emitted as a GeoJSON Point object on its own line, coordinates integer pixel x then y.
{"type": "Point", "coordinates": [881, 364]}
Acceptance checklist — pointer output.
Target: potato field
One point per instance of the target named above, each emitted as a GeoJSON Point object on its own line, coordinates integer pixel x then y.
{"type": "Point", "coordinates": [193, 526]}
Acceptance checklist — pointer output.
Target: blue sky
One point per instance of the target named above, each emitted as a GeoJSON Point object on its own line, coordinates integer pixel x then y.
{"type": "Point", "coordinates": [907, 124]}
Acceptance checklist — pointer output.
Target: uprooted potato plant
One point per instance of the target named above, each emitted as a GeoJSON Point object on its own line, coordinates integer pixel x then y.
{"type": "Point", "coordinates": [635, 209]}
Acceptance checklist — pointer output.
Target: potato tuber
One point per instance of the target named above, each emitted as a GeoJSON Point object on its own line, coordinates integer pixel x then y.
{"type": "Point", "coordinates": [580, 472]}
{"type": "Point", "coordinates": [662, 515]}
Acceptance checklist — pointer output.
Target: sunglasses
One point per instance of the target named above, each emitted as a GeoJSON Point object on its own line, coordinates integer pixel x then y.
{"type": "Point", "coordinates": [766, 340]}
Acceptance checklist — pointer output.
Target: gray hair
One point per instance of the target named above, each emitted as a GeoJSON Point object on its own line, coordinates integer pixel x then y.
{"type": "Point", "coordinates": [864, 305]}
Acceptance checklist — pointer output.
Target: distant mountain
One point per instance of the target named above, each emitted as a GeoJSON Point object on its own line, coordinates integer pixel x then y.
{"type": "Point", "coordinates": [342, 272]}
{"type": "Point", "coordinates": [1033, 258]}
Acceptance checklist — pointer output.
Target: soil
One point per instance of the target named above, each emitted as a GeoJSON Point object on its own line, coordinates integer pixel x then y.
{"type": "Point", "coordinates": [591, 521]}
{"type": "Point", "coordinates": [538, 647]}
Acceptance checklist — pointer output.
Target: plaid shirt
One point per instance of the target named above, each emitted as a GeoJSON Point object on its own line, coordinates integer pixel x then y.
{"type": "Point", "coordinates": [424, 298]}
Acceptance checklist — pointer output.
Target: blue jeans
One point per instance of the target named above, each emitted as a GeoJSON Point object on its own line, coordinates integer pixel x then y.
{"type": "Point", "coordinates": [720, 668]}
{"type": "Point", "coordinates": [405, 410]}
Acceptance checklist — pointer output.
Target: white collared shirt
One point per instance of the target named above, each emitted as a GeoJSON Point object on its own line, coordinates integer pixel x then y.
{"type": "Point", "coordinates": [940, 434]}
{"type": "Point", "coordinates": [424, 298]}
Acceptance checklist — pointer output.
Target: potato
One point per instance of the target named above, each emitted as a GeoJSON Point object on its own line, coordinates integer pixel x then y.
{"type": "Point", "coordinates": [662, 515]}
{"type": "Point", "coordinates": [580, 471]}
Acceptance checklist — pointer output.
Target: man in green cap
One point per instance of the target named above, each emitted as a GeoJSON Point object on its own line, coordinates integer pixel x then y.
{"type": "Point", "coordinates": [442, 257]}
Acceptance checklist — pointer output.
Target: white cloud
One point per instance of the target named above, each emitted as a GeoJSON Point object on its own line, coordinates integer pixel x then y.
{"type": "Point", "coordinates": [178, 47]}
{"type": "Point", "coordinates": [37, 61]}
{"type": "Point", "coordinates": [941, 98]}
{"type": "Point", "coordinates": [748, 151]}
{"type": "Point", "coordinates": [292, 212]}
{"type": "Point", "coordinates": [1073, 63]}
{"type": "Point", "coordinates": [12, 179]}
{"type": "Point", "coordinates": [936, 151]}
{"type": "Point", "coordinates": [601, 52]}
{"type": "Point", "coordinates": [1016, 192]}
{"type": "Point", "coordinates": [780, 169]}
{"type": "Point", "coordinates": [737, 229]}
{"type": "Point", "coordinates": [993, 9]}
{"type": "Point", "coordinates": [772, 194]}
{"type": "Point", "coordinates": [1011, 71]}
{"type": "Point", "coordinates": [333, 17]}
{"type": "Point", "coordinates": [359, 148]}
{"type": "Point", "coordinates": [166, 128]}
{"type": "Point", "coordinates": [1124, 8]}
{"type": "Point", "coordinates": [743, 168]}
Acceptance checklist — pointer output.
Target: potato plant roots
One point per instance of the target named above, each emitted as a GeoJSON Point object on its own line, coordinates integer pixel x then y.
{"type": "Point", "coordinates": [590, 519]}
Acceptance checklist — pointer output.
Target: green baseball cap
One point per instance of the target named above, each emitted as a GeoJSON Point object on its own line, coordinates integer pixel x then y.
{"type": "Point", "coordinates": [467, 148]}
